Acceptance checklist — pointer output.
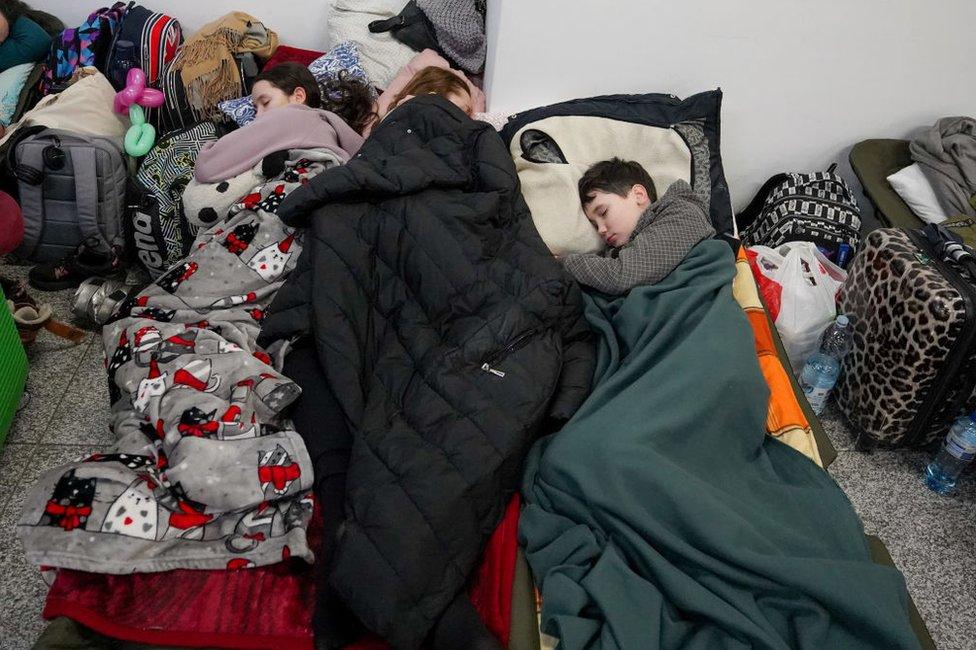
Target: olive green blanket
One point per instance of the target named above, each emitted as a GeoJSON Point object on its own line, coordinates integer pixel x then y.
{"type": "Point", "coordinates": [662, 516]}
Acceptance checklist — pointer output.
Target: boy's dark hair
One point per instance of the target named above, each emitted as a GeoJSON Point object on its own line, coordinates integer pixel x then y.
{"type": "Point", "coordinates": [615, 176]}
{"type": "Point", "coordinates": [289, 76]}
{"type": "Point", "coordinates": [350, 98]}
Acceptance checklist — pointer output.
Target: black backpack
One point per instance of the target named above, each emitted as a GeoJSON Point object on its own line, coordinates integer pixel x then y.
{"type": "Point", "coordinates": [152, 40]}
{"type": "Point", "coordinates": [818, 207]}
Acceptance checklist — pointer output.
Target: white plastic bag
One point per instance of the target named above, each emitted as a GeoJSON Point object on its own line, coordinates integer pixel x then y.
{"type": "Point", "coordinates": [807, 286]}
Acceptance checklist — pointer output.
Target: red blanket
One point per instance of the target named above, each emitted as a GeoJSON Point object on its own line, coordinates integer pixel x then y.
{"type": "Point", "coordinates": [264, 607]}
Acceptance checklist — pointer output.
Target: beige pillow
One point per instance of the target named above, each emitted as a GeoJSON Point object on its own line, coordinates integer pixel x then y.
{"type": "Point", "coordinates": [550, 188]}
{"type": "Point", "coordinates": [83, 107]}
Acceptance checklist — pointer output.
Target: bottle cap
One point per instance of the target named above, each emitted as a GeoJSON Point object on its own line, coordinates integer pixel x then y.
{"type": "Point", "coordinates": [843, 321]}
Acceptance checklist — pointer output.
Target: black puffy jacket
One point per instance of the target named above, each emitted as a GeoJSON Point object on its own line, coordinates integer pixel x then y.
{"type": "Point", "coordinates": [449, 335]}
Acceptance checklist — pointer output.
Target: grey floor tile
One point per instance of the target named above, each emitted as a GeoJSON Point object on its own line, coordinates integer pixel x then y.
{"type": "Point", "coordinates": [49, 375]}
{"type": "Point", "coordinates": [83, 414]}
{"type": "Point", "coordinates": [930, 536]}
{"type": "Point", "coordinates": [52, 362]}
{"type": "Point", "coordinates": [10, 469]}
{"type": "Point", "coordinates": [836, 427]}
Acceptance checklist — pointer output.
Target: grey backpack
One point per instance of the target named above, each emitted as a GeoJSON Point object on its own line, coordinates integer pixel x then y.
{"type": "Point", "coordinates": [71, 187]}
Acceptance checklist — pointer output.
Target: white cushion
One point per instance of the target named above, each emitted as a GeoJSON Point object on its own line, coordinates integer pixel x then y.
{"type": "Point", "coordinates": [914, 188]}
{"type": "Point", "coordinates": [381, 55]}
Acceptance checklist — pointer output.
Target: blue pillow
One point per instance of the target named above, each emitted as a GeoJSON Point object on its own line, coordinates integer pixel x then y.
{"type": "Point", "coordinates": [241, 110]}
{"type": "Point", "coordinates": [12, 82]}
{"type": "Point", "coordinates": [344, 56]}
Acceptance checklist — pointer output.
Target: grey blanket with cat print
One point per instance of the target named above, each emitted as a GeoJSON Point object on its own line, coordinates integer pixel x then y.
{"type": "Point", "coordinates": [206, 473]}
{"type": "Point", "coordinates": [947, 156]}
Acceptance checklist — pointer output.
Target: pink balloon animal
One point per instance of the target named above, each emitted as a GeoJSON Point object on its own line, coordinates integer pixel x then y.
{"type": "Point", "coordinates": [135, 92]}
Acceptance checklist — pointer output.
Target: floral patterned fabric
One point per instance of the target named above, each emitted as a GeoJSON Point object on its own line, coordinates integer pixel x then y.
{"type": "Point", "coordinates": [344, 56]}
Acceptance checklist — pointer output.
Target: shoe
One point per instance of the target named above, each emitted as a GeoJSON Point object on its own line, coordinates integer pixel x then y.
{"type": "Point", "coordinates": [92, 257]}
{"type": "Point", "coordinates": [16, 291]}
{"type": "Point", "coordinates": [30, 318]}
{"type": "Point", "coordinates": [96, 299]}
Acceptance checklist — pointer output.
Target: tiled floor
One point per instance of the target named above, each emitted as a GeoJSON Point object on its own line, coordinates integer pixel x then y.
{"type": "Point", "coordinates": [64, 415]}
{"type": "Point", "coordinates": [931, 538]}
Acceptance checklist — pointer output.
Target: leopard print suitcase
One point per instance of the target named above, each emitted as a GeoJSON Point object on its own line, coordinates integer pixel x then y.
{"type": "Point", "coordinates": [913, 366]}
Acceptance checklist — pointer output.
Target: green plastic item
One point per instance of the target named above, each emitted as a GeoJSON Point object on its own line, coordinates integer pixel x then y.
{"type": "Point", "coordinates": [13, 369]}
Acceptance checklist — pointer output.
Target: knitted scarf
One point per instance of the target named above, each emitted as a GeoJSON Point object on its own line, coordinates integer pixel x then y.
{"type": "Point", "coordinates": [460, 29]}
{"type": "Point", "coordinates": [206, 62]}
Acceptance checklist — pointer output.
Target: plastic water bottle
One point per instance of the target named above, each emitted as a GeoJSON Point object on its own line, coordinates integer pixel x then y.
{"type": "Point", "coordinates": [843, 255]}
{"type": "Point", "coordinates": [822, 369]}
{"type": "Point", "coordinates": [958, 451]}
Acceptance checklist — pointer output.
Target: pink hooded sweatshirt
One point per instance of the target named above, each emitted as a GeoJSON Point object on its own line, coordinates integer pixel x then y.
{"type": "Point", "coordinates": [294, 126]}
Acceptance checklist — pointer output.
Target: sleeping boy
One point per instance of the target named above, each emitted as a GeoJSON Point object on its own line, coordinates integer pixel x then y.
{"type": "Point", "coordinates": [646, 237]}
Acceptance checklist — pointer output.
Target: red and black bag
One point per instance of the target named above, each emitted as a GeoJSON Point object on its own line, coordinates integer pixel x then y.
{"type": "Point", "coordinates": [155, 38]}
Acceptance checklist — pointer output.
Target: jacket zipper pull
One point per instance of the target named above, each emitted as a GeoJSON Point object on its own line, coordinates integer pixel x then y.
{"type": "Point", "coordinates": [494, 371]}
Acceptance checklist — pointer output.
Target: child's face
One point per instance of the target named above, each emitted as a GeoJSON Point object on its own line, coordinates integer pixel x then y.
{"type": "Point", "coordinates": [266, 96]}
{"type": "Point", "coordinates": [615, 216]}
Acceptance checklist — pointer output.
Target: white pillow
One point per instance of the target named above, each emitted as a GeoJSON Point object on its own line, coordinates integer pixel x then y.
{"type": "Point", "coordinates": [914, 188]}
{"type": "Point", "coordinates": [381, 55]}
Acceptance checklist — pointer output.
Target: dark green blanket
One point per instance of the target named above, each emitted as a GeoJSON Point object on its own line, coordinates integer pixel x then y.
{"type": "Point", "coordinates": [662, 516]}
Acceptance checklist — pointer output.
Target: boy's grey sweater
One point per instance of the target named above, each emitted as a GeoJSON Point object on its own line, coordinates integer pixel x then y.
{"type": "Point", "coordinates": [664, 234]}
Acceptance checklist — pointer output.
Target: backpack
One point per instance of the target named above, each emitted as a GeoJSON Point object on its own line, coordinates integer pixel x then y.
{"type": "Point", "coordinates": [177, 112]}
{"type": "Point", "coordinates": [155, 38]}
{"type": "Point", "coordinates": [71, 187]}
{"type": "Point", "coordinates": [157, 232]}
{"type": "Point", "coordinates": [818, 207]}
{"type": "Point", "coordinates": [86, 45]}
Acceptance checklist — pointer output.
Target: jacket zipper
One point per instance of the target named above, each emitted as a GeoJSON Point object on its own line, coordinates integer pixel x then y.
{"type": "Point", "coordinates": [955, 357]}
{"type": "Point", "coordinates": [495, 357]}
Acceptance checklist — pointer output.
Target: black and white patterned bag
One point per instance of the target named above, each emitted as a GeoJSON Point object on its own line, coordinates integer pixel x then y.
{"type": "Point", "coordinates": [818, 207]}
{"type": "Point", "coordinates": [158, 232]}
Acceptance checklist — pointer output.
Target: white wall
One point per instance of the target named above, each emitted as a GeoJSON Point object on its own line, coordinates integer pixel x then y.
{"type": "Point", "coordinates": [299, 24]}
{"type": "Point", "coordinates": [803, 81]}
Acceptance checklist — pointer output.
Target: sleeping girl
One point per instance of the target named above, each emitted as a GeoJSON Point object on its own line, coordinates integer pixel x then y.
{"type": "Point", "coordinates": [294, 113]}
{"type": "Point", "coordinates": [439, 81]}
{"type": "Point", "coordinates": [646, 237]}
{"type": "Point", "coordinates": [289, 116]}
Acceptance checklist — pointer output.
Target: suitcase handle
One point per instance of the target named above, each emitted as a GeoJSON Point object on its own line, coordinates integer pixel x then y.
{"type": "Point", "coordinates": [951, 247]}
